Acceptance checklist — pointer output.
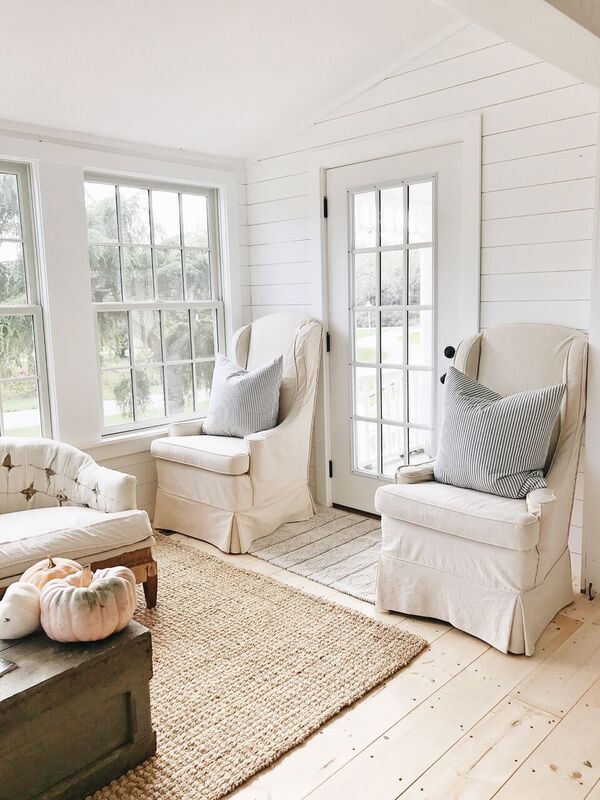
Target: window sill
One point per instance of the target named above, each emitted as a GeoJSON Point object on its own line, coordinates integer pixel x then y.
{"type": "Point", "coordinates": [125, 444]}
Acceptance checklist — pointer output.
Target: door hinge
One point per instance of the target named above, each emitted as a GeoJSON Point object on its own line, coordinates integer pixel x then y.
{"type": "Point", "coordinates": [331, 469]}
{"type": "Point", "coordinates": [328, 342]}
{"type": "Point", "coordinates": [325, 207]}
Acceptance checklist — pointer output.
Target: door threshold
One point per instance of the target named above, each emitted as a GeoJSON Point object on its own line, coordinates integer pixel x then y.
{"type": "Point", "coordinates": [356, 511]}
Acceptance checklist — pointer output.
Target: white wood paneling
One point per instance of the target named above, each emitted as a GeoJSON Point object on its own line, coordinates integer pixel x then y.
{"type": "Point", "coordinates": [530, 286]}
{"type": "Point", "coordinates": [561, 196]}
{"type": "Point", "coordinates": [538, 153]}
{"type": "Point", "coordinates": [541, 257]}
{"type": "Point", "coordinates": [544, 169]}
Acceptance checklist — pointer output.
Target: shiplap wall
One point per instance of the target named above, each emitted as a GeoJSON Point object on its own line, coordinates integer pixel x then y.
{"type": "Point", "coordinates": [540, 130]}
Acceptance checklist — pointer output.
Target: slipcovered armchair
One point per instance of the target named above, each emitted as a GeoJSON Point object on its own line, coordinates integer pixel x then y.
{"type": "Point", "coordinates": [228, 490]}
{"type": "Point", "coordinates": [55, 500]}
{"type": "Point", "coordinates": [495, 567]}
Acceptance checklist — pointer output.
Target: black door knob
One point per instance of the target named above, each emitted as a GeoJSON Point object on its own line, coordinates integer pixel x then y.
{"type": "Point", "coordinates": [443, 378]}
{"type": "Point", "coordinates": [449, 351]}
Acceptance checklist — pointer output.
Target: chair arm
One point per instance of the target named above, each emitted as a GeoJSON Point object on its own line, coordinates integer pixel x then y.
{"type": "Point", "coordinates": [540, 501]}
{"type": "Point", "coordinates": [105, 489]}
{"type": "Point", "coordinates": [279, 459]}
{"type": "Point", "coordinates": [419, 473]}
{"type": "Point", "coordinates": [192, 427]}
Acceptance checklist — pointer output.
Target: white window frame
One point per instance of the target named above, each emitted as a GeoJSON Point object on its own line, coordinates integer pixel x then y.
{"type": "Point", "coordinates": [405, 307]}
{"type": "Point", "coordinates": [216, 304]}
{"type": "Point", "coordinates": [33, 308]}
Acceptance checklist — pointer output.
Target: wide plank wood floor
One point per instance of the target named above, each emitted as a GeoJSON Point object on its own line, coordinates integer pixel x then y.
{"type": "Point", "coordinates": [461, 721]}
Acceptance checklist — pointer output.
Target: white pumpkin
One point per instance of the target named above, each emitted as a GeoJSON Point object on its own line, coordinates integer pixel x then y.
{"type": "Point", "coordinates": [19, 611]}
{"type": "Point", "coordinates": [87, 606]}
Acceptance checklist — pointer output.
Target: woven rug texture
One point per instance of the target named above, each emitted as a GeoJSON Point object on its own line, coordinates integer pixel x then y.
{"type": "Point", "coordinates": [336, 548]}
{"type": "Point", "coordinates": [245, 668]}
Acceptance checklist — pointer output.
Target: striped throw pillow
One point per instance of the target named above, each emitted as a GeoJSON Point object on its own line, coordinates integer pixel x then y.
{"type": "Point", "coordinates": [242, 401]}
{"type": "Point", "coordinates": [492, 443]}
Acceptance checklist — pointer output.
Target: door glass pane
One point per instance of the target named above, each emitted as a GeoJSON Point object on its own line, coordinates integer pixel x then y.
{"type": "Point", "coordinates": [365, 389]}
{"type": "Point", "coordinates": [392, 278]}
{"type": "Point", "coordinates": [21, 408]}
{"type": "Point", "coordinates": [135, 215]}
{"type": "Point", "coordinates": [10, 219]}
{"type": "Point", "coordinates": [149, 393]}
{"type": "Point", "coordinates": [195, 220]}
{"type": "Point", "coordinates": [179, 389]}
{"type": "Point", "coordinates": [101, 208]}
{"type": "Point", "coordinates": [113, 338]}
{"type": "Point", "coordinates": [117, 397]}
{"type": "Point", "coordinates": [17, 352]}
{"type": "Point", "coordinates": [420, 338]}
{"type": "Point", "coordinates": [365, 279]}
{"type": "Point", "coordinates": [12, 274]}
{"type": "Point", "coordinates": [176, 330]}
{"type": "Point", "coordinates": [365, 446]}
{"type": "Point", "coordinates": [365, 336]}
{"type": "Point", "coordinates": [392, 337]}
{"type": "Point", "coordinates": [203, 373]}
{"type": "Point", "coordinates": [137, 273]}
{"type": "Point", "coordinates": [197, 275]}
{"type": "Point", "coordinates": [392, 394]}
{"type": "Point", "coordinates": [203, 328]}
{"type": "Point", "coordinates": [392, 216]}
{"type": "Point", "coordinates": [393, 448]}
{"type": "Point", "coordinates": [169, 275]}
{"type": "Point", "coordinates": [145, 332]}
{"type": "Point", "coordinates": [420, 212]}
{"type": "Point", "coordinates": [419, 446]}
{"type": "Point", "coordinates": [106, 273]}
{"type": "Point", "coordinates": [420, 277]}
{"type": "Point", "coordinates": [165, 218]}
{"type": "Point", "coordinates": [420, 397]}
{"type": "Point", "coordinates": [365, 220]}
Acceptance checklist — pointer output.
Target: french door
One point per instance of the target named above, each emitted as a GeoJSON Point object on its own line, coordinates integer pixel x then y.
{"type": "Point", "coordinates": [394, 306]}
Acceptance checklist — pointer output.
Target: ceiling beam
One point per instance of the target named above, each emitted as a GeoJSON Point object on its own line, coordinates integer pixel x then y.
{"type": "Point", "coordinates": [539, 28]}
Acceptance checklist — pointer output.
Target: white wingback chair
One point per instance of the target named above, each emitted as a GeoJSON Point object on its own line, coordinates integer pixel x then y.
{"type": "Point", "coordinates": [228, 490]}
{"type": "Point", "coordinates": [494, 567]}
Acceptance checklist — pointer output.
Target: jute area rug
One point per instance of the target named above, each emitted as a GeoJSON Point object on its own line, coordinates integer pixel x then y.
{"type": "Point", "coordinates": [245, 668]}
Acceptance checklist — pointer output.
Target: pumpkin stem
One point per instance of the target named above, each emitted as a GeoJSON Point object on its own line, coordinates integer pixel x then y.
{"type": "Point", "coordinates": [50, 563]}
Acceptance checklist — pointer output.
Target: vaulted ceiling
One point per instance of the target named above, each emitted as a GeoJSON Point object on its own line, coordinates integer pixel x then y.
{"type": "Point", "coordinates": [214, 76]}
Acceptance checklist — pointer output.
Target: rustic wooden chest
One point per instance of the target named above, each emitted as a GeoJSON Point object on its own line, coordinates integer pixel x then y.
{"type": "Point", "coordinates": [73, 716]}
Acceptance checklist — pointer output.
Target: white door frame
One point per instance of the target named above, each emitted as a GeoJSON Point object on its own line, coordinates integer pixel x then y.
{"type": "Point", "coordinates": [465, 130]}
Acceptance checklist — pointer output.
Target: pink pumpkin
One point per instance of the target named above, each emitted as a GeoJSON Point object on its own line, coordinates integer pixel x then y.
{"type": "Point", "coordinates": [88, 606]}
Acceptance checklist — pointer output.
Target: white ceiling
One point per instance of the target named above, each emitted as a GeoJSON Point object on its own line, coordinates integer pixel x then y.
{"type": "Point", "coordinates": [213, 76]}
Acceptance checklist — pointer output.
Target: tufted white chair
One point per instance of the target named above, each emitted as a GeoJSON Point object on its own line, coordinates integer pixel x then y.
{"type": "Point", "coordinates": [495, 567]}
{"type": "Point", "coordinates": [228, 490]}
{"type": "Point", "coordinates": [55, 500]}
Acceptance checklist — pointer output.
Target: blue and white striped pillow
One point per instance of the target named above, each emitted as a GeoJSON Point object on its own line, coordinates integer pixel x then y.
{"type": "Point", "coordinates": [242, 401]}
{"type": "Point", "coordinates": [492, 443]}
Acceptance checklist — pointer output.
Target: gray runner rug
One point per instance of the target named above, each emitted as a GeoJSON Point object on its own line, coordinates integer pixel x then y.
{"type": "Point", "coordinates": [336, 548]}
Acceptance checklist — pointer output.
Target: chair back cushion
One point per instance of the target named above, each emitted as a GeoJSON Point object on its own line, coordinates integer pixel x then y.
{"type": "Point", "coordinates": [283, 334]}
{"type": "Point", "coordinates": [243, 401]}
{"type": "Point", "coordinates": [495, 444]}
{"type": "Point", "coordinates": [521, 356]}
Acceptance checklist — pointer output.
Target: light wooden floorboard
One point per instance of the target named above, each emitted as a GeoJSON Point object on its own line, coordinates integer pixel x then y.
{"type": "Point", "coordinates": [462, 721]}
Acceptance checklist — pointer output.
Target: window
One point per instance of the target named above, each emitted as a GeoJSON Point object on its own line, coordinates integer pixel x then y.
{"type": "Point", "coordinates": [392, 259]}
{"type": "Point", "coordinates": [155, 277]}
{"type": "Point", "coordinates": [24, 408]}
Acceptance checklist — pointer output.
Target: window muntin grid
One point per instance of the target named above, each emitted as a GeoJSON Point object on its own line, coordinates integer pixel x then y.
{"type": "Point", "coordinates": [392, 322]}
{"type": "Point", "coordinates": [155, 277]}
{"type": "Point", "coordinates": [24, 398]}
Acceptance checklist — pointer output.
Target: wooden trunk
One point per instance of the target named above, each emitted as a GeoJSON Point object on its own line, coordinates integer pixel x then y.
{"type": "Point", "coordinates": [74, 717]}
